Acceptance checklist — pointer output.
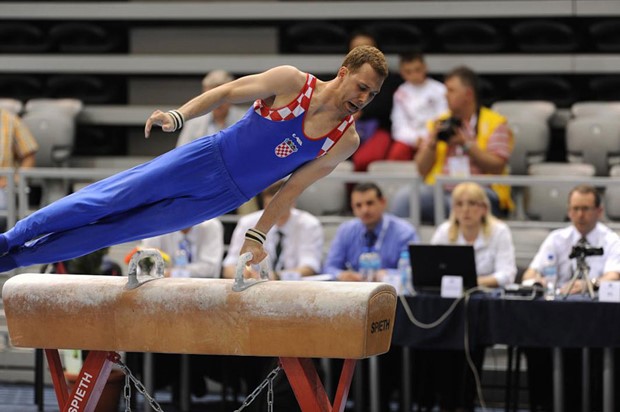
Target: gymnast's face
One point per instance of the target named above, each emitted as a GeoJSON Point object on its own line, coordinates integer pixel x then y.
{"type": "Point", "coordinates": [368, 207]}
{"type": "Point", "coordinates": [359, 87]}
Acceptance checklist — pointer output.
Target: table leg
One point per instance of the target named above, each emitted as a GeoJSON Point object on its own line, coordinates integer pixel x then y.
{"type": "Point", "coordinates": [38, 380]}
{"type": "Point", "coordinates": [558, 373]}
{"type": "Point", "coordinates": [328, 381]}
{"type": "Point", "coordinates": [508, 387]}
{"type": "Point", "coordinates": [608, 380]}
{"type": "Point", "coordinates": [585, 379]}
{"type": "Point", "coordinates": [184, 383]}
{"type": "Point", "coordinates": [358, 379]}
{"type": "Point", "coordinates": [149, 378]}
{"type": "Point", "coordinates": [406, 381]}
{"type": "Point", "coordinates": [373, 378]}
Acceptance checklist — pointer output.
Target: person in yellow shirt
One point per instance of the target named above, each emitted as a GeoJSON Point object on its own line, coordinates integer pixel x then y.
{"type": "Point", "coordinates": [17, 149]}
{"type": "Point", "coordinates": [469, 139]}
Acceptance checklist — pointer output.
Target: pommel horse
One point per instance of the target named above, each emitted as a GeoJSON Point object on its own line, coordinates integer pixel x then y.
{"type": "Point", "coordinates": [291, 320]}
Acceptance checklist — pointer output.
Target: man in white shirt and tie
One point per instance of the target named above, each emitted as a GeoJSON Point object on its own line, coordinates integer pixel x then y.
{"type": "Point", "coordinates": [294, 244]}
{"type": "Point", "coordinates": [584, 211]}
{"type": "Point", "coordinates": [203, 245]}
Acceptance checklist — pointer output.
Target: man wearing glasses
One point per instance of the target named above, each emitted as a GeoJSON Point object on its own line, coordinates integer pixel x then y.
{"type": "Point", "coordinates": [585, 231]}
{"type": "Point", "coordinates": [584, 212]}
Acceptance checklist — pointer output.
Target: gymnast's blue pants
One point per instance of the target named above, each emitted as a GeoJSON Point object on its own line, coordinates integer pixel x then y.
{"type": "Point", "coordinates": [176, 190]}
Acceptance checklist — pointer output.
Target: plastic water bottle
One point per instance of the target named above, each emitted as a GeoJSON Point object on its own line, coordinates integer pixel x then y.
{"type": "Point", "coordinates": [369, 265]}
{"type": "Point", "coordinates": [180, 264]}
{"type": "Point", "coordinates": [404, 269]}
{"type": "Point", "coordinates": [550, 273]}
{"type": "Point", "coordinates": [364, 266]}
{"type": "Point", "coordinates": [375, 265]}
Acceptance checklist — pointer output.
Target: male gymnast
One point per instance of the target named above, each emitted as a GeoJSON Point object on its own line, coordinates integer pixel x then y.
{"type": "Point", "coordinates": [297, 124]}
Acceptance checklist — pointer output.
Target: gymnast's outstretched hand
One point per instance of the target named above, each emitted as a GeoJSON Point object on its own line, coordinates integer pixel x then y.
{"type": "Point", "coordinates": [159, 118]}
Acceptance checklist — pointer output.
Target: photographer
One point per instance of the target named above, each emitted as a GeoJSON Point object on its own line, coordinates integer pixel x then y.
{"type": "Point", "coordinates": [468, 140]}
{"type": "Point", "coordinates": [585, 236]}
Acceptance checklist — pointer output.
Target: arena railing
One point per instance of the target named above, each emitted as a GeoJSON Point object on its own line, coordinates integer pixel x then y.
{"type": "Point", "coordinates": [93, 174]}
{"type": "Point", "coordinates": [522, 181]}
{"type": "Point", "coordinates": [298, 10]}
{"type": "Point", "coordinates": [11, 211]}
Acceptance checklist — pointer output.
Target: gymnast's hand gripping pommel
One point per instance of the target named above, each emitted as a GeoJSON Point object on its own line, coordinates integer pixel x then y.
{"type": "Point", "coordinates": [242, 284]}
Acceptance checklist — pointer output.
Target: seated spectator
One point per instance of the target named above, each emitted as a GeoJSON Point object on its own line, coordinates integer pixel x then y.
{"type": "Point", "coordinates": [17, 149]}
{"type": "Point", "coordinates": [585, 211]}
{"type": "Point", "coordinates": [446, 373]}
{"type": "Point", "coordinates": [469, 140]}
{"type": "Point", "coordinates": [471, 223]}
{"type": "Point", "coordinates": [202, 244]}
{"type": "Point", "coordinates": [361, 38]}
{"type": "Point", "coordinates": [372, 228]}
{"type": "Point", "coordinates": [294, 244]}
{"type": "Point", "coordinates": [375, 142]}
{"type": "Point", "coordinates": [216, 120]}
{"type": "Point", "coordinates": [417, 101]}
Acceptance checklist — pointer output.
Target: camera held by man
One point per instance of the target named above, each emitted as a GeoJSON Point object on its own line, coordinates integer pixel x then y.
{"type": "Point", "coordinates": [448, 128]}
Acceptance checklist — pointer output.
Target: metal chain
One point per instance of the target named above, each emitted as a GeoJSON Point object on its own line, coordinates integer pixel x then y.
{"type": "Point", "coordinates": [127, 393]}
{"type": "Point", "coordinates": [267, 382]}
{"type": "Point", "coordinates": [139, 387]}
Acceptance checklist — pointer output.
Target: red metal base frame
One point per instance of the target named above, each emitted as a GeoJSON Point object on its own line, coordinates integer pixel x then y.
{"type": "Point", "coordinates": [89, 384]}
{"type": "Point", "coordinates": [300, 372]}
{"type": "Point", "coordinates": [309, 390]}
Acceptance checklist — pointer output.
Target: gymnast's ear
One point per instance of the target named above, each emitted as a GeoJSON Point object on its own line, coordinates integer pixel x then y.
{"type": "Point", "coordinates": [342, 72]}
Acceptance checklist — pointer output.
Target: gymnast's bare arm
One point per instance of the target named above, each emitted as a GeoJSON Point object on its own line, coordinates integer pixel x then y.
{"type": "Point", "coordinates": [280, 83]}
{"type": "Point", "coordinates": [296, 184]}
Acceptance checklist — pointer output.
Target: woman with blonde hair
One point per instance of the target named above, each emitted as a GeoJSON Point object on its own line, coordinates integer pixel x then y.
{"type": "Point", "coordinates": [446, 373]}
{"type": "Point", "coordinates": [471, 223]}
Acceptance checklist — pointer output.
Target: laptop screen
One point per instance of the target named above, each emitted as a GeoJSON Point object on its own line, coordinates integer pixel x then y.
{"type": "Point", "coordinates": [429, 263]}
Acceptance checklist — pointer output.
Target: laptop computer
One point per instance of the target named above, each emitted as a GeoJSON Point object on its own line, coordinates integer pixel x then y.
{"type": "Point", "coordinates": [429, 263]}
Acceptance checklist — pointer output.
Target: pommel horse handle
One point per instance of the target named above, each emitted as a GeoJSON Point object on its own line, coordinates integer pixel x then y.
{"type": "Point", "coordinates": [132, 281]}
{"type": "Point", "coordinates": [241, 283]}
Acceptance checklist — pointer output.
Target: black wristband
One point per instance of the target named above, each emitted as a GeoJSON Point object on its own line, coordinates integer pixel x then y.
{"type": "Point", "coordinates": [177, 119]}
{"type": "Point", "coordinates": [258, 233]}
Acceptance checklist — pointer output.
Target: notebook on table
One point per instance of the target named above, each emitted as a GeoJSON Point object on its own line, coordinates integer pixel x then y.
{"type": "Point", "coordinates": [429, 263]}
